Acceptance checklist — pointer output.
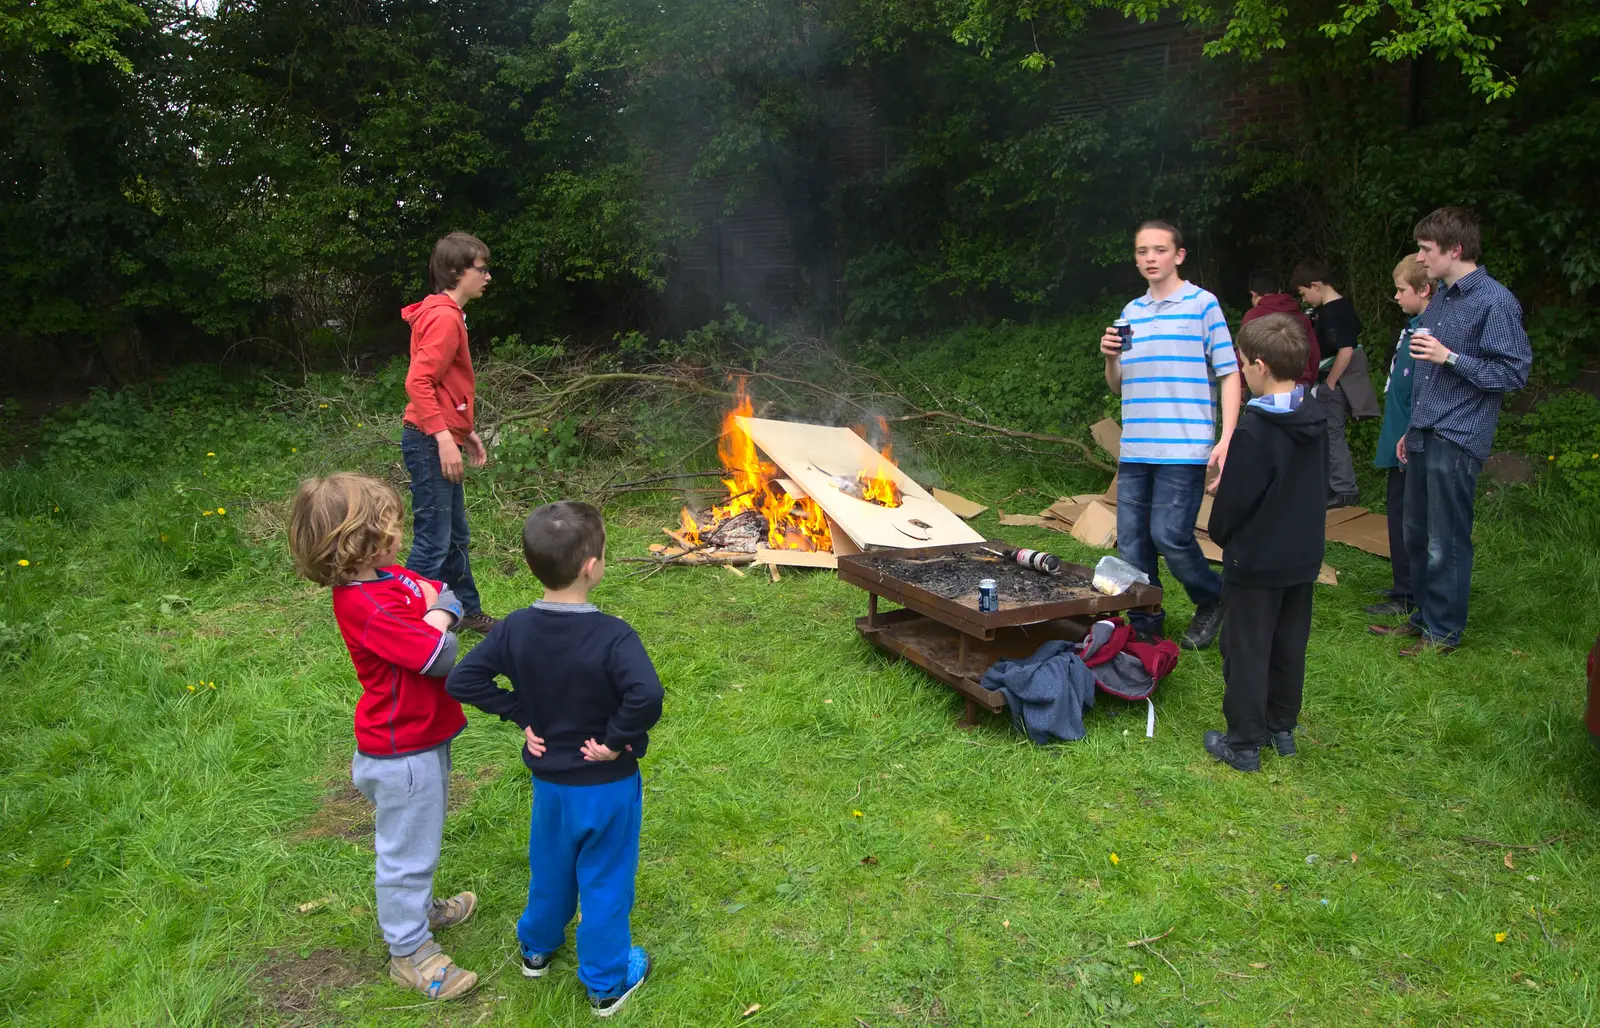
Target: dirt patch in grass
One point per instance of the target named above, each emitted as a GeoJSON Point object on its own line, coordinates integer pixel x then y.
{"type": "Point", "coordinates": [345, 814]}
{"type": "Point", "coordinates": [292, 986]}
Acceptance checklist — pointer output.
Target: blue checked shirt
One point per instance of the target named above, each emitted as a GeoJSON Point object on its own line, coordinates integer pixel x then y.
{"type": "Point", "coordinates": [1480, 320]}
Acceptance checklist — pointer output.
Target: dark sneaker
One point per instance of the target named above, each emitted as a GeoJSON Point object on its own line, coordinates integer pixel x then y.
{"type": "Point", "coordinates": [1344, 500]}
{"type": "Point", "coordinates": [638, 971]}
{"type": "Point", "coordinates": [1427, 646]}
{"type": "Point", "coordinates": [1283, 742]}
{"type": "Point", "coordinates": [1240, 760]}
{"type": "Point", "coordinates": [1202, 631]}
{"type": "Point", "coordinates": [479, 622]}
{"type": "Point", "coordinates": [1392, 609]}
{"type": "Point", "coordinates": [1405, 631]}
{"type": "Point", "coordinates": [456, 909]}
{"type": "Point", "coordinates": [536, 965]}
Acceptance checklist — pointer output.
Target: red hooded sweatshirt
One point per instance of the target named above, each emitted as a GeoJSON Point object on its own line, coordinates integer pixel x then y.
{"type": "Point", "coordinates": [1283, 303]}
{"type": "Point", "coordinates": [440, 382]}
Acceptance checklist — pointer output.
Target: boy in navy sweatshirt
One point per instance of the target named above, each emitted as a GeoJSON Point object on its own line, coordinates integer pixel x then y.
{"type": "Point", "coordinates": [1269, 519]}
{"type": "Point", "coordinates": [585, 694]}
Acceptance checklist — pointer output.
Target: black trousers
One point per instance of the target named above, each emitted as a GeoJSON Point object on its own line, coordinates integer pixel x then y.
{"type": "Point", "coordinates": [1395, 501]}
{"type": "Point", "coordinates": [1264, 636]}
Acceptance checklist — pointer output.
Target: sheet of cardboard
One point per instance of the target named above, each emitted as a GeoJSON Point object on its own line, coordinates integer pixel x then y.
{"type": "Point", "coordinates": [1339, 515]}
{"type": "Point", "coordinates": [1024, 520]}
{"type": "Point", "coordinates": [810, 455]}
{"type": "Point", "coordinates": [1096, 526]}
{"type": "Point", "coordinates": [1369, 532]}
{"type": "Point", "coordinates": [796, 558]}
{"type": "Point", "coordinates": [1065, 510]}
{"type": "Point", "coordinates": [960, 506]}
{"type": "Point", "coordinates": [1111, 491]}
{"type": "Point", "coordinates": [1109, 435]}
{"type": "Point", "coordinates": [1085, 498]}
{"type": "Point", "coordinates": [1202, 519]}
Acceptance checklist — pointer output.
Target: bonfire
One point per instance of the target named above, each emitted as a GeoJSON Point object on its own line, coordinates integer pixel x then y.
{"type": "Point", "coordinates": [760, 509]}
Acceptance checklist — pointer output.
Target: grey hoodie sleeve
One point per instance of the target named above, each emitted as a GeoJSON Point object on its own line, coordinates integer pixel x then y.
{"type": "Point", "coordinates": [448, 603]}
{"type": "Point", "coordinates": [445, 658]}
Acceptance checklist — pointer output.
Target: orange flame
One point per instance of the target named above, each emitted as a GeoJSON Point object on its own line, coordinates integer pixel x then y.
{"type": "Point", "coordinates": [877, 485]}
{"type": "Point", "coordinates": [793, 523]}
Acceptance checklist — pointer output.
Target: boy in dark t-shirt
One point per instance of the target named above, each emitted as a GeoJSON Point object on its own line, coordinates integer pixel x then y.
{"type": "Point", "coordinates": [585, 695]}
{"type": "Point", "coordinates": [1345, 391]}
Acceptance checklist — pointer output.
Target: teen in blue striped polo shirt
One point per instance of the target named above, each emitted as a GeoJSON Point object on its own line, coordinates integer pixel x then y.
{"type": "Point", "coordinates": [1180, 339]}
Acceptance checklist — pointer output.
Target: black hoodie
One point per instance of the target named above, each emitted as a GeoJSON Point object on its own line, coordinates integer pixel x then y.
{"type": "Point", "coordinates": [1270, 512]}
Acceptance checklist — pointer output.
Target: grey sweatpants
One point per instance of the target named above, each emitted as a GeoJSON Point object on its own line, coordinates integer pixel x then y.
{"type": "Point", "coordinates": [410, 793]}
{"type": "Point", "coordinates": [1341, 467]}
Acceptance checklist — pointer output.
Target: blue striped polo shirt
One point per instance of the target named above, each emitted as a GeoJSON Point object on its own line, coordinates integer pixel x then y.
{"type": "Point", "coordinates": [1167, 413]}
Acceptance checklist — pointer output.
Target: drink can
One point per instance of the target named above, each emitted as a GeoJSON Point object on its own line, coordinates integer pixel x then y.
{"type": "Point", "coordinates": [988, 596]}
{"type": "Point", "coordinates": [1124, 330]}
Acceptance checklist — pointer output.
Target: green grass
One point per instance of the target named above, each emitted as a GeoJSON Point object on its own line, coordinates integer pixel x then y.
{"type": "Point", "coordinates": [156, 843]}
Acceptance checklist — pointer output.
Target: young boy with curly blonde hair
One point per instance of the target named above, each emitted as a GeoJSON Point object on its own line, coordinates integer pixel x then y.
{"type": "Point", "coordinates": [345, 532]}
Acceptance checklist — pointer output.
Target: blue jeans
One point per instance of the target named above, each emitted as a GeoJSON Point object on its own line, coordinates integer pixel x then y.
{"type": "Point", "coordinates": [583, 843]}
{"type": "Point", "coordinates": [439, 536]}
{"type": "Point", "coordinates": [1441, 486]}
{"type": "Point", "coordinates": [1156, 508]}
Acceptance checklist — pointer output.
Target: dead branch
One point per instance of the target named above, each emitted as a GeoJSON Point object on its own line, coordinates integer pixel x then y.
{"type": "Point", "coordinates": [584, 383]}
{"type": "Point", "coordinates": [1010, 433]}
{"type": "Point", "coordinates": [1151, 938]}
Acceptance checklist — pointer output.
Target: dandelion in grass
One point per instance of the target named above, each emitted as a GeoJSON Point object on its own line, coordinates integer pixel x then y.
{"type": "Point", "coordinates": [205, 513]}
{"type": "Point", "coordinates": [191, 688]}
{"type": "Point", "coordinates": [22, 563]}
{"type": "Point", "coordinates": [294, 449]}
{"type": "Point", "coordinates": [1499, 936]}
{"type": "Point", "coordinates": [855, 813]}
{"type": "Point", "coordinates": [222, 510]}
{"type": "Point", "coordinates": [210, 454]}
{"type": "Point", "coordinates": [163, 537]}
{"type": "Point", "coordinates": [1138, 979]}
{"type": "Point", "coordinates": [322, 406]}
{"type": "Point", "coordinates": [211, 685]}
{"type": "Point", "coordinates": [1115, 860]}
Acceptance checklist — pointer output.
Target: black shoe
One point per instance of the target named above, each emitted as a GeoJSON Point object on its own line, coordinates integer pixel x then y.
{"type": "Point", "coordinates": [479, 622]}
{"type": "Point", "coordinates": [1392, 609]}
{"type": "Point", "coordinates": [1344, 500]}
{"type": "Point", "coordinates": [1283, 742]}
{"type": "Point", "coordinates": [1240, 760]}
{"type": "Point", "coordinates": [536, 965]}
{"type": "Point", "coordinates": [1202, 631]}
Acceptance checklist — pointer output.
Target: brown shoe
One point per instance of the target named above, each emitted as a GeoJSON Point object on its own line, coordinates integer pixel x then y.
{"type": "Point", "coordinates": [432, 973]}
{"type": "Point", "coordinates": [456, 909]}
{"type": "Point", "coordinates": [1427, 646]}
{"type": "Point", "coordinates": [479, 622]}
{"type": "Point", "coordinates": [1405, 630]}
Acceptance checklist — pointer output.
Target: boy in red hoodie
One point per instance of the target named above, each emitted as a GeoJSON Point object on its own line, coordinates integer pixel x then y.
{"type": "Point", "coordinates": [1267, 298]}
{"type": "Point", "coordinates": [344, 532]}
{"type": "Point", "coordinates": [438, 420]}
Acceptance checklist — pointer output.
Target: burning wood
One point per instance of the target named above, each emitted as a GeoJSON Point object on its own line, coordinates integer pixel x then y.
{"type": "Point", "coordinates": [760, 509]}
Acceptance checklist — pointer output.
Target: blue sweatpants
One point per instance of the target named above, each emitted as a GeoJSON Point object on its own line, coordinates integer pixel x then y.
{"type": "Point", "coordinates": [583, 844]}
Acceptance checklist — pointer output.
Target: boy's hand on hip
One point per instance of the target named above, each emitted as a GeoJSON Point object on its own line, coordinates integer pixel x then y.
{"type": "Point", "coordinates": [593, 750]}
{"type": "Point", "coordinates": [535, 744]}
{"type": "Point", "coordinates": [449, 457]}
{"type": "Point", "coordinates": [476, 454]}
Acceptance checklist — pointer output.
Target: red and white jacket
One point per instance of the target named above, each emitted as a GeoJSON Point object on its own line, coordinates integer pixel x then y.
{"type": "Point", "coordinates": [401, 661]}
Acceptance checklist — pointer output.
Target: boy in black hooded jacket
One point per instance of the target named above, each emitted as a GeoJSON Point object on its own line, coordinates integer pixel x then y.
{"type": "Point", "coordinates": [1269, 518]}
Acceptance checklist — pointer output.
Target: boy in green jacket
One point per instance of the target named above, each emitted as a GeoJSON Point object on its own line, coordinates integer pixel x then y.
{"type": "Point", "coordinates": [1412, 291]}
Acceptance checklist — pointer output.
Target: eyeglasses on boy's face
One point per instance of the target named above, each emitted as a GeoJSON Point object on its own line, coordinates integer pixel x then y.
{"type": "Point", "coordinates": [482, 269]}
